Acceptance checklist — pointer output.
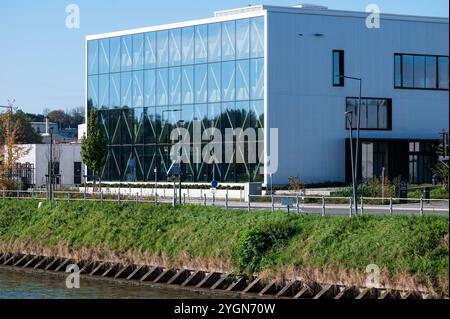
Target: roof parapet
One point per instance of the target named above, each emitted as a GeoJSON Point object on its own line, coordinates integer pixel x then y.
{"type": "Point", "coordinates": [238, 11]}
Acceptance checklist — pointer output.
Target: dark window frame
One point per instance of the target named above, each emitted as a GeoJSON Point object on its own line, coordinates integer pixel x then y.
{"type": "Point", "coordinates": [341, 82]}
{"type": "Point", "coordinates": [401, 55]}
{"type": "Point", "coordinates": [388, 114]}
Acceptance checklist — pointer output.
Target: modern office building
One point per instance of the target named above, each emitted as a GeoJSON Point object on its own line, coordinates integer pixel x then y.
{"type": "Point", "coordinates": [270, 67]}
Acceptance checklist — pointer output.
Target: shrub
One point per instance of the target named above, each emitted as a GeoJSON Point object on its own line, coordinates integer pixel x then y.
{"type": "Point", "coordinates": [257, 242]}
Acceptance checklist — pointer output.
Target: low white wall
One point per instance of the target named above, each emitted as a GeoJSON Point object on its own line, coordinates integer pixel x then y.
{"type": "Point", "coordinates": [168, 192]}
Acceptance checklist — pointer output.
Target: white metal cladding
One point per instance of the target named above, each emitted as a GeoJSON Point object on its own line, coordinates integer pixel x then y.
{"type": "Point", "coordinates": [309, 111]}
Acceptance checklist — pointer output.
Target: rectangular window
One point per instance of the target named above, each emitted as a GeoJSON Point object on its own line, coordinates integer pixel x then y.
{"type": "Point", "coordinates": [443, 73]}
{"type": "Point", "coordinates": [429, 72]}
{"type": "Point", "coordinates": [375, 114]}
{"type": "Point", "coordinates": [338, 68]}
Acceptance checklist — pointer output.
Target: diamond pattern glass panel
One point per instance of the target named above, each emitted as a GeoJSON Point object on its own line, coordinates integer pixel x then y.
{"type": "Point", "coordinates": [208, 76]}
{"type": "Point", "coordinates": [150, 50]}
{"type": "Point", "coordinates": [175, 47]}
{"type": "Point", "coordinates": [126, 46]}
{"type": "Point", "coordinates": [103, 62]}
{"type": "Point", "coordinates": [201, 44]}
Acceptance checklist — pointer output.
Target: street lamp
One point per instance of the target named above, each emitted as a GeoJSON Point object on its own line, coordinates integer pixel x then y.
{"type": "Point", "coordinates": [348, 116]}
{"type": "Point", "coordinates": [358, 130]}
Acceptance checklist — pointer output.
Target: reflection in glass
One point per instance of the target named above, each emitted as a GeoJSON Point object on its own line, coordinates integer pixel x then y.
{"type": "Point", "coordinates": [431, 67]}
{"type": "Point", "coordinates": [242, 39]}
{"type": "Point", "coordinates": [228, 40]}
{"type": "Point", "coordinates": [201, 83]}
{"type": "Point", "coordinates": [150, 132]}
{"type": "Point", "coordinates": [138, 129]}
{"type": "Point", "coordinates": [162, 45]}
{"type": "Point", "coordinates": [214, 78]}
{"type": "Point", "coordinates": [158, 78]}
{"type": "Point", "coordinates": [125, 49]}
{"type": "Point", "coordinates": [201, 44]}
{"type": "Point", "coordinates": [125, 89]}
{"type": "Point", "coordinates": [408, 71]}
{"type": "Point", "coordinates": [257, 79]}
{"type": "Point", "coordinates": [150, 50]}
{"type": "Point", "coordinates": [443, 73]}
{"type": "Point", "coordinates": [188, 85]}
{"type": "Point", "coordinates": [114, 54]}
{"type": "Point", "coordinates": [138, 89]}
{"type": "Point", "coordinates": [103, 91]}
{"type": "Point", "coordinates": [93, 91]}
{"type": "Point", "coordinates": [398, 70]}
{"type": "Point", "coordinates": [188, 45]}
{"type": "Point", "coordinates": [419, 72]}
{"type": "Point", "coordinates": [150, 87]}
{"type": "Point", "coordinates": [161, 87]}
{"type": "Point", "coordinates": [382, 115]}
{"type": "Point", "coordinates": [257, 118]}
{"type": "Point", "coordinates": [175, 86]}
{"type": "Point", "coordinates": [103, 62]}
{"type": "Point", "coordinates": [175, 47]}
{"type": "Point", "coordinates": [242, 80]}
{"type": "Point", "coordinates": [228, 81]}
{"type": "Point", "coordinates": [214, 42]}
{"type": "Point", "coordinates": [114, 90]}
{"type": "Point", "coordinates": [257, 37]}
{"type": "Point", "coordinates": [92, 57]}
{"type": "Point", "coordinates": [138, 51]}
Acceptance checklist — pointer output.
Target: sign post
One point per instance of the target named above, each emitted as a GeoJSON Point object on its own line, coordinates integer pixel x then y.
{"type": "Point", "coordinates": [172, 173]}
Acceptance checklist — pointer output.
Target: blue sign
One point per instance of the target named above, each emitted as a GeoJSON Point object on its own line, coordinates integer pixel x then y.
{"type": "Point", "coordinates": [286, 202]}
{"type": "Point", "coordinates": [214, 184]}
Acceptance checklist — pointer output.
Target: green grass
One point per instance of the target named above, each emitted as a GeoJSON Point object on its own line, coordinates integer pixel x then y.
{"type": "Point", "coordinates": [248, 242]}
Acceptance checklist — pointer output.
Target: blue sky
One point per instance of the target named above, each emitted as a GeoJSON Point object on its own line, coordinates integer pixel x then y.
{"type": "Point", "coordinates": [42, 62]}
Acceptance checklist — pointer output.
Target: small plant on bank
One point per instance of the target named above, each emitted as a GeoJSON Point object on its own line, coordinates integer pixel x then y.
{"type": "Point", "coordinates": [257, 242]}
{"type": "Point", "coordinates": [295, 184]}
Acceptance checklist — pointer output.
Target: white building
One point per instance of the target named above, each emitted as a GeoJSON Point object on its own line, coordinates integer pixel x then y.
{"type": "Point", "coordinates": [284, 65]}
{"type": "Point", "coordinates": [67, 163]}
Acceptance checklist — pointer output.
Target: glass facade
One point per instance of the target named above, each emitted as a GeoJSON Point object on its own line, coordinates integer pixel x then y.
{"type": "Point", "coordinates": [145, 85]}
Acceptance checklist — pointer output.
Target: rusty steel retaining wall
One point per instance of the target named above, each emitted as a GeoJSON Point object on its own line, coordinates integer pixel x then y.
{"type": "Point", "coordinates": [194, 279]}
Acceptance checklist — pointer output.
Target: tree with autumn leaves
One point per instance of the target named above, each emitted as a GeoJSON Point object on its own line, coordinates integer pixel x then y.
{"type": "Point", "coordinates": [10, 131]}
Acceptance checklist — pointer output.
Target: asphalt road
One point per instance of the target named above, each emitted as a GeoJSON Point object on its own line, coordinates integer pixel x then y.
{"type": "Point", "coordinates": [439, 208]}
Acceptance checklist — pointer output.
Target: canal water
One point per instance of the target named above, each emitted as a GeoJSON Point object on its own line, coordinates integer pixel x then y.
{"type": "Point", "coordinates": [23, 285]}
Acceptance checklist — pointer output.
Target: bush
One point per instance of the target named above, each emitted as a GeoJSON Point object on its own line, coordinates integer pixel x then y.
{"type": "Point", "coordinates": [372, 188]}
{"type": "Point", "coordinates": [257, 242]}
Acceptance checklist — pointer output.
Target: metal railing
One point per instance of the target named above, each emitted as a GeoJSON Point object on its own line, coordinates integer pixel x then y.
{"type": "Point", "coordinates": [315, 205]}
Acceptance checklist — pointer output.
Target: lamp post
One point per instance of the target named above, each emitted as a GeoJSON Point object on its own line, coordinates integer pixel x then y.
{"type": "Point", "coordinates": [358, 130]}
{"type": "Point", "coordinates": [348, 116]}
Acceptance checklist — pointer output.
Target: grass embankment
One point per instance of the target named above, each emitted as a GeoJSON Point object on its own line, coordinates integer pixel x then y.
{"type": "Point", "coordinates": [412, 252]}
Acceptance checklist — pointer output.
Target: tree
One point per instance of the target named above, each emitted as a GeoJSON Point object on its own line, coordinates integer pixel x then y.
{"type": "Point", "coordinates": [59, 116]}
{"type": "Point", "coordinates": [441, 168]}
{"type": "Point", "coordinates": [11, 151]}
{"type": "Point", "coordinates": [93, 147]}
{"type": "Point", "coordinates": [25, 133]}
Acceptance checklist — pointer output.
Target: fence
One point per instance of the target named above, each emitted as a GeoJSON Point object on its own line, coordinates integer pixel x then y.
{"type": "Point", "coordinates": [315, 205]}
